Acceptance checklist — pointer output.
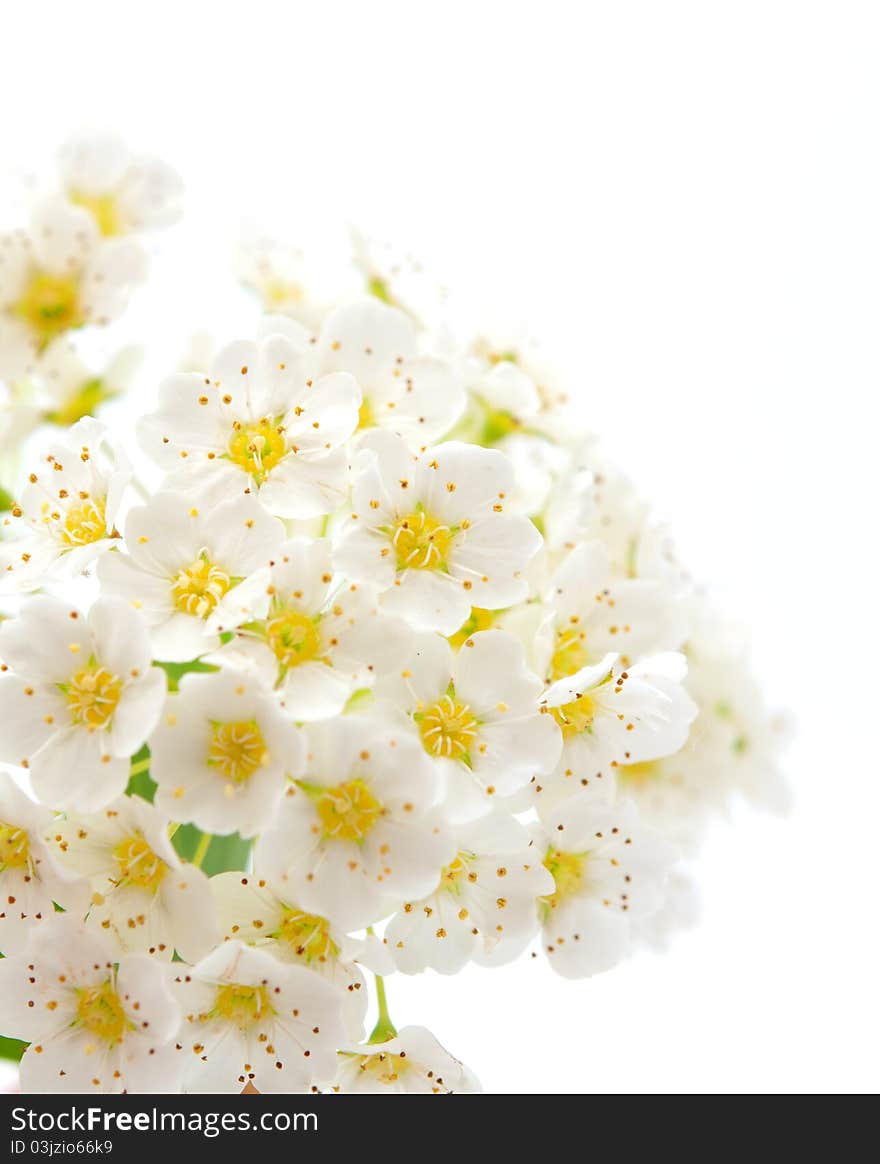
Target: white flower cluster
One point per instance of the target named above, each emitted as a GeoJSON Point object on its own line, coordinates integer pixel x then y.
{"type": "Point", "coordinates": [389, 671]}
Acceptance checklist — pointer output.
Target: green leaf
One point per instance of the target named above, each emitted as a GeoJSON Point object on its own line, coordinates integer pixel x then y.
{"type": "Point", "coordinates": [11, 1048]}
{"type": "Point", "coordinates": [141, 784]}
{"type": "Point", "coordinates": [224, 853]}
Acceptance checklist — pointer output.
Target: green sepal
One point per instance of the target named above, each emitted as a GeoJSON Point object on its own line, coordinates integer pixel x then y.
{"type": "Point", "coordinates": [176, 671]}
{"type": "Point", "coordinates": [12, 1048]}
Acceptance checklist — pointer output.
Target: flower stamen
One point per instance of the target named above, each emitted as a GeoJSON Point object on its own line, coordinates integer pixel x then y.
{"type": "Point", "coordinates": [242, 1005]}
{"type": "Point", "coordinates": [293, 637]}
{"type": "Point", "coordinates": [577, 716]}
{"type": "Point", "coordinates": [92, 696]}
{"type": "Point", "coordinates": [100, 1011]}
{"type": "Point", "coordinates": [567, 870]}
{"type": "Point", "coordinates": [348, 811]}
{"type": "Point", "coordinates": [138, 864]}
{"type": "Point", "coordinates": [84, 523]}
{"type": "Point", "coordinates": [257, 448]}
{"type": "Point", "coordinates": [237, 750]}
{"type": "Point", "coordinates": [198, 587]}
{"type": "Point", "coordinates": [308, 935]}
{"type": "Point", "coordinates": [49, 306]}
{"type": "Point", "coordinates": [420, 541]}
{"type": "Point", "coordinates": [448, 728]}
{"type": "Point", "coordinates": [15, 849]}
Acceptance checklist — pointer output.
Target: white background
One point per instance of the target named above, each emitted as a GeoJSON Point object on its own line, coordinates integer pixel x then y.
{"type": "Point", "coordinates": [683, 201]}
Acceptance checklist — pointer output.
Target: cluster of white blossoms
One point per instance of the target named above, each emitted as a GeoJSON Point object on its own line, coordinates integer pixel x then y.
{"type": "Point", "coordinates": [360, 660]}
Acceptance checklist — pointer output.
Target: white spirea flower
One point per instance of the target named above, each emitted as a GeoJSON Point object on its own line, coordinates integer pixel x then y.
{"type": "Point", "coordinates": [608, 868]}
{"type": "Point", "coordinates": [733, 747]}
{"type": "Point", "coordinates": [252, 911]}
{"type": "Point", "coordinates": [31, 879]}
{"type": "Point", "coordinates": [620, 516]}
{"type": "Point", "coordinates": [262, 421]}
{"type": "Point", "coordinates": [373, 618]}
{"type": "Point", "coordinates": [96, 1022]}
{"type": "Point", "coordinates": [80, 696]}
{"type": "Point", "coordinates": [505, 412]}
{"type": "Point", "coordinates": [412, 1063]}
{"type": "Point", "coordinates": [144, 898]}
{"type": "Point", "coordinates": [357, 832]}
{"type": "Point", "coordinates": [611, 714]}
{"type": "Point", "coordinates": [66, 388]}
{"type": "Point", "coordinates": [503, 402]}
{"type": "Point", "coordinates": [591, 614]}
{"type": "Point", "coordinates": [432, 532]}
{"type": "Point", "coordinates": [222, 752]}
{"type": "Point", "coordinates": [499, 342]}
{"type": "Point", "coordinates": [190, 570]}
{"type": "Point", "coordinates": [123, 193]}
{"type": "Point", "coordinates": [484, 907]}
{"type": "Point", "coordinates": [477, 711]}
{"type": "Point", "coordinates": [397, 278]}
{"type": "Point", "coordinates": [283, 279]}
{"type": "Point", "coordinates": [249, 1018]}
{"type": "Point", "coordinates": [67, 510]}
{"type": "Point", "coordinates": [419, 397]}
{"type": "Point", "coordinates": [313, 638]}
{"type": "Point", "coordinates": [59, 276]}
{"type": "Point", "coordinates": [680, 910]}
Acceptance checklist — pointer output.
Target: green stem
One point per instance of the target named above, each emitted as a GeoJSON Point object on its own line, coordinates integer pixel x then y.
{"type": "Point", "coordinates": [139, 766]}
{"type": "Point", "coordinates": [384, 1028]}
{"type": "Point", "coordinates": [202, 850]}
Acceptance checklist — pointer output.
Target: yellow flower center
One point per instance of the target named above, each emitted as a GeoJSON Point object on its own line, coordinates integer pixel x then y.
{"type": "Point", "coordinates": [92, 696]}
{"type": "Point", "coordinates": [568, 873]}
{"type": "Point", "coordinates": [293, 637]}
{"type": "Point", "coordinates": [102, 208]}
{"type": "Point", "coordinates": [478, 620]}
{"type": "Point", "coordinates": [452, 874]}
{"type": "Point", "coordinates": [508, 356]}
{"type": "Point", "coordinates": [199, 587]}
{"type": "Point", "coordinates": [570, 653]}
{"type": "Point", "coordinates": [348, 811]}
{"type": "Point", "coordinates": [638, 775]}
{"type": "Point", "coordinates": [257, 448]}
{"type": "Point", "coordinates": [50, 306]}
{"type": "Point", "coordinates": [84, 401]}
{"type": "Point", "coordinates": [100, 1011]}
{"type": "Point", "coordinates": [237, 750]}
{"type": "Point", "coordinates": [378, 287]}
{"type": "Point", "coordinates": [575, 717]}
{"type": "Point", "coordinates": [420, 541]}
{"type": "Point", "coordinates": [138, 864]}
{"type": "Point", "coordinates": [385, 1068]}
{"type": "Point", "coordinates": [366, 416]}
{"type": "Point", "coordinates": [277, 292]}
{"type": "Point", "coordinates": [448, 728]}
{"type": "Point", "coordinates": [85, 522]}
{"type": "Point", "coordinates": [15, 849]}
{"type": "Point", "coordinates": [307, 935]}
{"type": "Point", "coordinates": [497, 424]}
{"type": "Point", "coordinates": [243, 1005]}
